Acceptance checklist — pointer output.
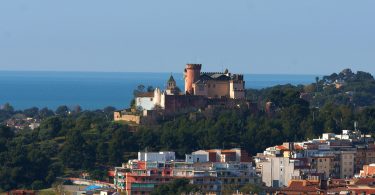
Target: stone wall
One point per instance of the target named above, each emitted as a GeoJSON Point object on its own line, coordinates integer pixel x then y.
{"type": "Point", "coordinates": [183, 103]}
{"type": "Point", "coordinates": [127, 117]}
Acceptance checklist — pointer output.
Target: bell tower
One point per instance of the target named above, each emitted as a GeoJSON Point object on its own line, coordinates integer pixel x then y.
{"type": "Point", "coordinates": [171, 83]}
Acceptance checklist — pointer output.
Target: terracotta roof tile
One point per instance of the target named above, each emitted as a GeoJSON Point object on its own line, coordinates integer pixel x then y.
{"type": "Point", "coordinates": [146, 94]}
{"type": "Point", "coordinates": [365, 181]}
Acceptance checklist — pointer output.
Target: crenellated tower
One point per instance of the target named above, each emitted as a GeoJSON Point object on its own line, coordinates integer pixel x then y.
{"type": "Point", "coordinates": [191, 74]}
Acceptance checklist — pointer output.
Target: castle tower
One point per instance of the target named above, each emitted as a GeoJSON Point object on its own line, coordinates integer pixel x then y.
{"type": "Point", "coordinates": [157, 97]}
{"type": "Point", "coordinates": [192, 74]}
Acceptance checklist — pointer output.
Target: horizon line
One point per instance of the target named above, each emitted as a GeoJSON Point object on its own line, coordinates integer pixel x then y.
{"type": "Point", "coordinates": [102, 71]}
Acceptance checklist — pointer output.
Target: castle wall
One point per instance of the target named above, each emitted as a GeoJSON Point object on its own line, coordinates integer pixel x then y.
{"type": "Point", "coordinates": [181, 103]}
{"type": "Point", "coordinates": [127, 117]}
{"type": "Point", "coordinates": [117, 116]}
{"type": "Point", "coordinates": [237, 90]}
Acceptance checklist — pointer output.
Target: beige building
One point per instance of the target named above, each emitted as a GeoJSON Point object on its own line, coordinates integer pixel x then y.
{"type": "Point", "coordinates": [323, 165]}
{"type": "Point", "coordinates": [347, 164]}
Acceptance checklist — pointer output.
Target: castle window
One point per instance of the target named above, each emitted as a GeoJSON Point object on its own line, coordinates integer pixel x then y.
{"type": "Point", "coordinates": [209, 85]}
{"type": "Point", "coordinates": [151, 99]}
{"type": "Point", "coordinates": [213, 85]}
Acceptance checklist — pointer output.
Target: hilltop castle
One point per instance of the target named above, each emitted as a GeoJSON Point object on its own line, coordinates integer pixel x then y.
{"type": "Point", "coordinates": [213, 84]}
{"type": "Point", "coordinates": [202, 89]}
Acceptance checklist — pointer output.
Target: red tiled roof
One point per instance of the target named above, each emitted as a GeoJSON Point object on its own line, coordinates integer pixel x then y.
{"type": "Point", "coordinates": [338, 189]}
{"type": "Point", "coordinates": [281, 147]}
{"type": "Point", "coordinates": [147, 94]}
{"type": "Point", "coordinates": [302, 186]}
{"type": "Point", "coordinates": [298, 147]}
{"type": "Point", "coordinates": [365, 181]}
{"type": "Point", "coordinates": [301, 189]}
{"type": "Point", "coordinates": [226, 151]}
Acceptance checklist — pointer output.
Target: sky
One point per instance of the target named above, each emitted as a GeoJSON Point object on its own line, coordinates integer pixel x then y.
{"type": "Point", "coordinates": [247, 36]}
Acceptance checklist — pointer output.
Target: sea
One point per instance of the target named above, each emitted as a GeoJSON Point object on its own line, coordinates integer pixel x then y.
{"type": "Point", "coordinates": [96, 90]}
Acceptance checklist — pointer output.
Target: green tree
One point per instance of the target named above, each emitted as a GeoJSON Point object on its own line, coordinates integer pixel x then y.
{"type": "Point", "coordinates": [251, 189]}
{"type": "Point", "coordinates": [76, 153]}
{"type": "Point", "coordinates": [31, 112]}
{"type": "Point", "coordinates": [178, 186]}
{"type": "Point", "coordinates": [62, 110]}
{"type": "Point", "coordinates": [50, 128]}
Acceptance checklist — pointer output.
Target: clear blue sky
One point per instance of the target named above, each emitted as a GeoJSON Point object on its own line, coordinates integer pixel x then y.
{"type": "Point", "coordinates": [262, 36]}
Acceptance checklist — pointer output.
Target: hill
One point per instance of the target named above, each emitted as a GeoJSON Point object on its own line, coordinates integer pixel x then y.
{"type": "Point", "coordinates": [69, 142]}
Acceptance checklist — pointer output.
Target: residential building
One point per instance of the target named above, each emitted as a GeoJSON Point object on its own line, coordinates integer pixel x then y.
{"type": "Point", "coordinates": [142, 177]}
{"type": "Point", "coordinates": [331, 156]}
{"type": "Point", "coordinates": [156, 156]}
{"type": "Point", "coordinates": [367, 171]}
{"type": "Point", "coordinates": [217, 155]}
{"type": "Point", "coordinates": [278, 171]}
{"type": "Point", "coordinates": [323, 165]}
{"type": "Point", "coordinates": [347, 164]}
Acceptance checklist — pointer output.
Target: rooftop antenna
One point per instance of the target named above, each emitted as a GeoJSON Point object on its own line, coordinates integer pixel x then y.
{"type": "Point", "coordinates": [355, 125]}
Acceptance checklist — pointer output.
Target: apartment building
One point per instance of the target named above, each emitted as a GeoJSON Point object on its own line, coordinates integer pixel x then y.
{"type": "Point", "coordinates": [224, 168]}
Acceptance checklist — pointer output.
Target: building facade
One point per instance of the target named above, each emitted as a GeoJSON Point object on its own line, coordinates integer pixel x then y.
{"type": "Point", "coordinates": [278, 171]}
{"type": "Point", "coordinates": [142, 176]}
{"type": "Point", "coordinates": [331, 156]}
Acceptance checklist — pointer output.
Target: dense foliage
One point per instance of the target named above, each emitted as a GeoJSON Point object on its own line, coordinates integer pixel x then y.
{"type": "Point", "coordinates": [178, 186]}
{"type": "Point", "coordinates": [69, 141]}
